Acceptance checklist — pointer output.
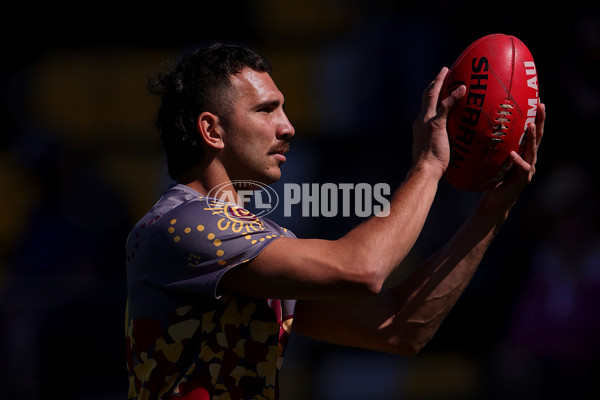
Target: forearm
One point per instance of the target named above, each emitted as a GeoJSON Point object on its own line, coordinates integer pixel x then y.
{"type": "Point", "coordinates": [402, 319]}
{"type": "Point", "coordinates": [429, 293]}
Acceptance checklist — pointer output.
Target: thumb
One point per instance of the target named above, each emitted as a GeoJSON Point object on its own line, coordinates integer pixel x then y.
{"type": "Point", "coordinates": [449, 102]}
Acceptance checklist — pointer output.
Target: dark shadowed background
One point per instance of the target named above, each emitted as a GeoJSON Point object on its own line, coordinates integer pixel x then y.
{"type": "Point", "coordinates": [80, 162]}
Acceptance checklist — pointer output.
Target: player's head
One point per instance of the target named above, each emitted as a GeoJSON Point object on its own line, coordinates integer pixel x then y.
{"type": "Point", "coordinates": [199, 82]}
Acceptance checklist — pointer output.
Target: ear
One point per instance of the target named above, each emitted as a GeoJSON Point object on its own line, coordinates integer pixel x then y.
{"type": "Point", "coordinates": [210, 130]}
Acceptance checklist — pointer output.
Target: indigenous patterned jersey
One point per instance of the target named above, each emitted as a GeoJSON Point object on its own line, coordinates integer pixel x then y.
{"type": "Point", "coordinates": [185, 339]}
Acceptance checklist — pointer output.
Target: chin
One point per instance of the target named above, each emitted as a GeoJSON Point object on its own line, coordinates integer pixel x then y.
{"type": "Point", "coordinates": [270, 179]}
{"type": "Point", "coordinates": [267, 177]}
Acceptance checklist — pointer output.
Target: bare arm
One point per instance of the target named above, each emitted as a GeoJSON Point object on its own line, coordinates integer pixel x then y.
{"type": "Point", "coordinates": [339, 283]}
{"type": "Point", "coordinates": [402, 319]}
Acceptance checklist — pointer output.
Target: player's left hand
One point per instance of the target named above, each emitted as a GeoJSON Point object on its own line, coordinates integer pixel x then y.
{"type": "Point", "coordinates": [505, 194]}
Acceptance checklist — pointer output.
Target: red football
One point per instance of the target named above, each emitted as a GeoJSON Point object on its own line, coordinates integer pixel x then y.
{"type": "Point", "coordinates": [490, 120]}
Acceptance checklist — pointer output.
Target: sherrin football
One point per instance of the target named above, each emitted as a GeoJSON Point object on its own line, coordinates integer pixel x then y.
{"type": "Point", "coordinates": [490, 120]}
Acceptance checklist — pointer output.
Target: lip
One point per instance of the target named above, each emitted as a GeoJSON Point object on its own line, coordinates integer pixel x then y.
{"type": "Point", "coordinates": [280, 157]}
{"type": "Point", "coordinates": [279, 151]}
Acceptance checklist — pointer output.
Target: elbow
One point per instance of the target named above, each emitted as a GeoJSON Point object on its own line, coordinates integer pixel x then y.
{"type": "Point", "coordinates": [367, 271]}
{"type": "Point", "coordinates": [411, 338]}
{"type": "Point", "coordinates": [408, 348]}
{"type": "Point", "coordinates": [412, 349]}
{"type": "Point", "coordinates": [374, 280]}
{"type": "Point", "coordinates": [355, 286]}
{"type": "Point", "coordinates": [369, 280]}
{"type": "Point", "coordinates": [355, 270]}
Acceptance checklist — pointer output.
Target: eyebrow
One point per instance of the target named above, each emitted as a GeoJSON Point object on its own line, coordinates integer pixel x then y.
{"type": "Point", "coordinates": [270, 103]}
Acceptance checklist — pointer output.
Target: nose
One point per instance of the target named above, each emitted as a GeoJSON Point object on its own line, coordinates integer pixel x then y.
{"type": "Point", "coordinates": [285, 129]}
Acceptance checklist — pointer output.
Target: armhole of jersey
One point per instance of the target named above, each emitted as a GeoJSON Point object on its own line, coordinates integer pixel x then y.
{"type": "Point", "coordinates": [218, 293]}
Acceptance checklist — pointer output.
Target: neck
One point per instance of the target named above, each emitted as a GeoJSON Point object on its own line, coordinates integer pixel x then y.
{"type": "Point", "coordinates": [212, 180]}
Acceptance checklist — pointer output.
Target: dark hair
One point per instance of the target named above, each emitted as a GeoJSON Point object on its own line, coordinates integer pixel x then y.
{"type": "Point", "coordinates": [199, 82]}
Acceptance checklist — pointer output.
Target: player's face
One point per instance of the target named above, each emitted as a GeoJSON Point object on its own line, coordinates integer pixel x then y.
{"type": "Point", "coordinates": [257, 130]}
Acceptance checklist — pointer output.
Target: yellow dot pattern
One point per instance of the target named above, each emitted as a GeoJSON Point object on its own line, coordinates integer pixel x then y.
{"type": "Point", "coordinates": [171, 230]}
{"type": "Point", "coordinates": [195, 259]}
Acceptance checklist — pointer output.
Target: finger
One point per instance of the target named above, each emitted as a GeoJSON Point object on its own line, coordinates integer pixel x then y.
{"type": "Point", "coordinates": [432, 93]}
{"type": "Point", "coordinates": [540, 120]}
{"type": "Point", "coordinates": [449, 102]}
{"type": "Point", "coordinates": [520, 163]}
{"type": "Point", "coordinates": [531, 144]}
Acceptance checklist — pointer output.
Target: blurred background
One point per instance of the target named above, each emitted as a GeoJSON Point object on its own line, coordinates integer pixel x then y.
{"type": "Point", "coordinates": [80, 162]}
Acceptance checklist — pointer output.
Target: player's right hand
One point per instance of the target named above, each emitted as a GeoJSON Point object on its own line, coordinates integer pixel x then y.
{"type": "Point", "coordinates": [430, 138]}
